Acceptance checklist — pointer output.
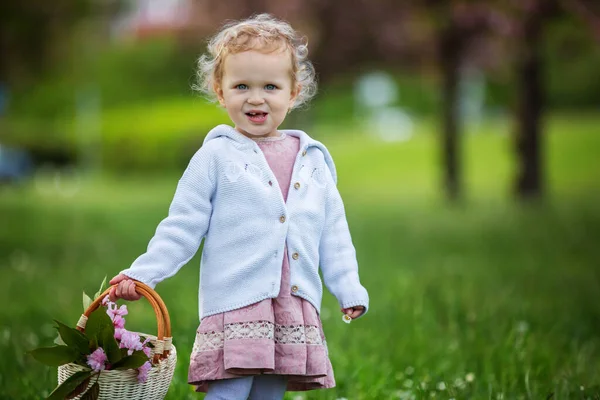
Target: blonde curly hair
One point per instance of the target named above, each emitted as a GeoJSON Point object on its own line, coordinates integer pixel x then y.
{"type": "Point", "coordinates": [261, 32]}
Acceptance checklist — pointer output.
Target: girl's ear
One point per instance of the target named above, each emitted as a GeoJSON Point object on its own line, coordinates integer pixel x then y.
{"type": "Point", "coordinates": [294, 95]}
{"type": "Point", "coordinates": [219, 91]}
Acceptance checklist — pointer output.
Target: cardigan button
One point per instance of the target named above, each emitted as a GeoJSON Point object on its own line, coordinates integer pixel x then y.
{"type": "Point", "coordinates": [295, 256]}
{"type": "Point", "coordinates": [297, 185]}
{"type": "Point", "coordinates": [282, 219]}
{"type": "Point", "coordinates": [294, 288]}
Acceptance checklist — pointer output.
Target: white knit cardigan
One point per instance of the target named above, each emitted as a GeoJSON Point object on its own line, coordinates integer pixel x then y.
{"type": "Point", "coordinates": [229, 196]}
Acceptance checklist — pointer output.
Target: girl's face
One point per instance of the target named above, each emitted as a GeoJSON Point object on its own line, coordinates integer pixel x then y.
{"type": "Point", "coordinates": [256, 90]}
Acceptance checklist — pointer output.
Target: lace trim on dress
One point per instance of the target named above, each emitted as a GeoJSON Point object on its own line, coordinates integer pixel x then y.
{"type": "Point", "coordinates": [282, 334]}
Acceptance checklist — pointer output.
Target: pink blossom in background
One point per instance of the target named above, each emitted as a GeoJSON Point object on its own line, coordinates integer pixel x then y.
{"type": "Point", "coordinates": [130, 341]}
{"type": "Point", "coordinates": [143, 372]}
{"type": "Point", "coordinates": [97, 359]}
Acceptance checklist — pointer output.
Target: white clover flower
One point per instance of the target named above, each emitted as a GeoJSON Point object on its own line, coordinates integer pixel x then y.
{"type": "Point", "coordinates": [522, 326]}
{"type": "Point", "coordinates": [346, 318]}
{"type": "Point", "coordinates": [470, 377]}
{"type": "Point", "coordinates": [409, 370]}
{"type": "Point", "coordinates": [408, 383]}
{"type": "Point", "coordinates": [441, 386]}
{"type": "Point", "coordinates": [459, 383]}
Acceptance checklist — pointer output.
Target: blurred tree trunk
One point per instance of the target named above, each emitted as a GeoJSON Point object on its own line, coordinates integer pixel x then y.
{"type": "Point", "coordinates": [530, 104]}
{"type": "Point", "coordinates": [450, 44]}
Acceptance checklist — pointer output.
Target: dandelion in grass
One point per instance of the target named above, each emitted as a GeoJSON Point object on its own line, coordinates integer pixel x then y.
{"type": "Point", "coordinates": [408, 383]}
{"type": "Point", "coordinates": [459, 383]}
{"type": "Point", "coordinates": [441, 386]}
{"type": "Point", "coordinates": [405, 395]}
{"type": "Point", "coordinates": [97, 360]}
{"type": "Point", "coordinates": [409, 370]}
{"type": "Point", "coordinates": [470, 377]}
{"type": "Point", "coordinates": [423, 385]}
{"type": "Point", "coordinates": [522, 327]}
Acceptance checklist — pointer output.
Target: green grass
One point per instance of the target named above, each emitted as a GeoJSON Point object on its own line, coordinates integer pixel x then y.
{"type": "Point", "coordinates": [489, 289]}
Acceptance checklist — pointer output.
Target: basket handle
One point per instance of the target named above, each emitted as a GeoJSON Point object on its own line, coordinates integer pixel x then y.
{"type": "Point", "coordinates": [164, 338]}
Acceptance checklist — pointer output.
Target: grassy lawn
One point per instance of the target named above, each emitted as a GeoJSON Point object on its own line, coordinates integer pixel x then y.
{"type": "Point", "coordinates": [486, 300]}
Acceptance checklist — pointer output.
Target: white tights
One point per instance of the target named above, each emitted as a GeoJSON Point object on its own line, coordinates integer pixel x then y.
{"type": "Point", "coordinates": [259, 387]}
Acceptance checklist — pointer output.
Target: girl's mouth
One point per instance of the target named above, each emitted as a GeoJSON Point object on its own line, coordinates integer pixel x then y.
{"type": "Point", "coordinates": [257, 117]}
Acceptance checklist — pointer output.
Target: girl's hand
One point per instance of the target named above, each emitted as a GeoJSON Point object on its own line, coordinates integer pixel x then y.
{"type": "Point", "coordinates": [125, 289]}
{"type": "Point", "coordinates": [353, 312]}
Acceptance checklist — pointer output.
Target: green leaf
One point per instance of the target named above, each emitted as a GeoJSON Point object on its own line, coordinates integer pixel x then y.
{"type": "Point", "coordinates": [97, 321]}
{"type": "Point", "coordinates": [102, 287]}
{"type": "Point", "coordinates": [59, 341]}
{"type": "Point", "coordinates": [93, 393]}
{"type": "Point", "coordinates": [110, 345]}
{"type": "Point", "coordinates": [73, 338]}
{"type": "Point", "coordinates": [55, 356]}
{"type": "Point", "coordinates": [135, 360]}
{"type": "Point", "coordinates": [69, 385]}
{"type": "Point", "coordinates": [79, 389]}
{"type": "Point", "coordinates": [87, 301]}
{"type": "Point", "coordinates": [93, 344]}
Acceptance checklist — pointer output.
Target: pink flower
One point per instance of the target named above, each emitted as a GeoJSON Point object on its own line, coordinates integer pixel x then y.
{"type": "Point", "coordinates": [119, 322]}
{"type": "Point", "coordinates": [143, 372]}
{"type": "Point", "coordinates": [105, 300]}
{"type": "Point", "coordinates": [146, 349]}
{"type": "Point", "coordinates": [97, 359]}
{"type": "Point", "coordinates": [119, 333]}
{"type": "Point", "coordinates": [130, 341]}
{"type": "Point", "coordinates": [112, 310]}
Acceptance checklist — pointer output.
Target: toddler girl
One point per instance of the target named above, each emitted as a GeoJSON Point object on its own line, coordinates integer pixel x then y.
{"type": "Point", "coordinates": [266, 203]}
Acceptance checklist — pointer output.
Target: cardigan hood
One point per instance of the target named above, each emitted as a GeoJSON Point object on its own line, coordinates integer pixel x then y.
{"type": "Point", "coordinates": [305, 142]}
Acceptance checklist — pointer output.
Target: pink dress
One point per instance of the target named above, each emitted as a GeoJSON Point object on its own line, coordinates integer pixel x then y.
{"type": "Point", "coordinates": [281, 336]}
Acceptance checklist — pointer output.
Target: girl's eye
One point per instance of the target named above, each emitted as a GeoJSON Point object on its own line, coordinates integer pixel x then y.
{"type": "Point", "coordinates": [241, 86]}
{"type": "Point", "coordinates": [270, 87]}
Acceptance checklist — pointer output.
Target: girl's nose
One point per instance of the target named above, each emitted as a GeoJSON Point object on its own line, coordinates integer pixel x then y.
{"type": "Point", "coordinates": [256, 98]}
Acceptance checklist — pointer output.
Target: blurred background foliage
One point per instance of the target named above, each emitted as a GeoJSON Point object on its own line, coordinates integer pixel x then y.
{"type": "Point", "coordinates": [146, 75]}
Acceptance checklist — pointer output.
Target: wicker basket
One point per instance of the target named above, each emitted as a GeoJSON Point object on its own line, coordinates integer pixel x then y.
{"type": "Point", "coordinates": [123, 384]}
